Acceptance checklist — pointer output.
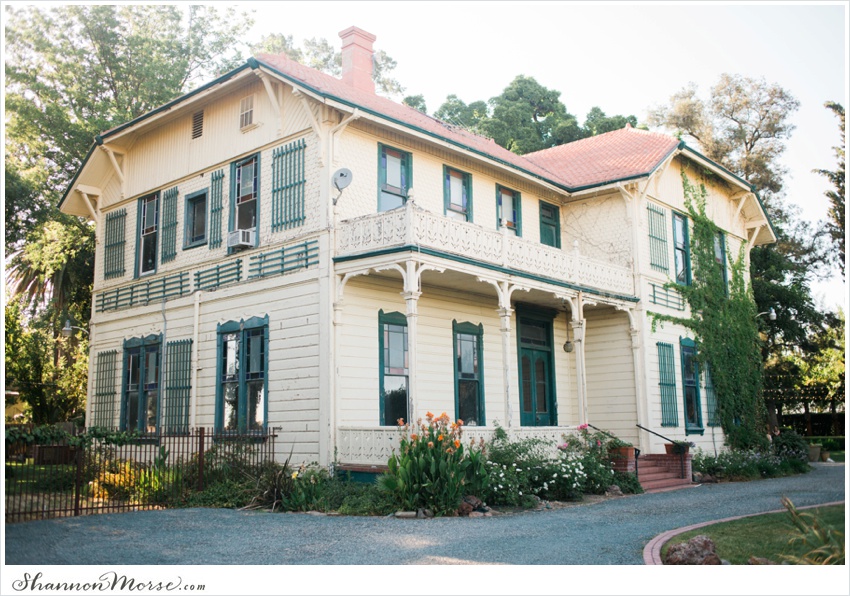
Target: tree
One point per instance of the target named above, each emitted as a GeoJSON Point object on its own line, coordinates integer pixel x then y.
{"type": "Point", "coordinates": [417, 102]}
{"type": "Point", "coordinates": [457, 113]}
{"type": "Point", "coordinates": [836, 224]}
{"type": "Point", "coordinates": [597, 123]}
{"type": "Point", "coordinates": [72, 72]}
{"type": "Point", "coordinates": [321, 55]}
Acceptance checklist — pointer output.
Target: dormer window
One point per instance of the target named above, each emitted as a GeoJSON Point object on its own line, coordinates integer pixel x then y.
{"type": "Point", "coordinates": [246, 112]}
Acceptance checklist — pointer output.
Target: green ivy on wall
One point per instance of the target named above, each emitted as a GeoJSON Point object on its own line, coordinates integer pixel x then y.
{"type": "Point", "coordinates": [724, 323]}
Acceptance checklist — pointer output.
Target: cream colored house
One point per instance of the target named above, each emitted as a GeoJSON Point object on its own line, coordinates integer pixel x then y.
{"type": "Point", "coordinates": [280, 249]}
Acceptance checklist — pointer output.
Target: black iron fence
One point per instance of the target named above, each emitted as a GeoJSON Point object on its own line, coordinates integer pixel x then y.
{"type": "Point", "coordinates": [88, 474]}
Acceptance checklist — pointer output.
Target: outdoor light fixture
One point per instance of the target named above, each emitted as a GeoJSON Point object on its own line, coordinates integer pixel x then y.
{"type": "Point", "coordinates": [568, 345]}
{"type": "Point", "coordinates": [67, 329]}
{"type": "Point", "coordinates": [771, 314]}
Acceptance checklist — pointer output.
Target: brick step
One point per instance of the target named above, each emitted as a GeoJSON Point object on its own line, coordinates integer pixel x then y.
{"type": "Point", "coordinates": [664, 484]}
{"type": "Point", "coordinates": [645, 476]}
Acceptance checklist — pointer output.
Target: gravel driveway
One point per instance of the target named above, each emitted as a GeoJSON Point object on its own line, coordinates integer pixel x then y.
{"type": "Point", "coordinates": [619, 528]}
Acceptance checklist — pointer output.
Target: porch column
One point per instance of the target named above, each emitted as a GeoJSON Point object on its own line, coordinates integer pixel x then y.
{"type": "Point", "coordinates": [411, 298]}
{"type": "Point", "coordinates": [640, 399]}
{"type": "Point", "coordinates": [581, 373]}
{"type": "Point", "coordinates": [505, 314]}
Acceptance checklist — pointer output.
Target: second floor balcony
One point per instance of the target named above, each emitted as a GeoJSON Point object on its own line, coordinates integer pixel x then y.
{"type": "Point", "coordinates": [411, 226]}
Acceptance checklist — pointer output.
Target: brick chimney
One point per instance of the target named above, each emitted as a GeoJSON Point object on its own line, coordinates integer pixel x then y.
{"type": "Point", "coordinates": [357, 59]}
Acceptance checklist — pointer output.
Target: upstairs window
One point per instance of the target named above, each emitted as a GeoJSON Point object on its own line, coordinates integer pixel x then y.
{"type": "Point", "coordinates": [148, 233]}
{"type": "Point", "coordinates": [457, 194]}
{"type": "Point", "coordinates": [394, 177]}
{"type": "Point", "coordinates": [550, 225]}
{"type": "Point", "coordinates": [509, 210]}
{"type": "Point", "coordinates": [246, 112]}
{"type": "Point", "coordinates": [195, 233]}
{"type": "Point", "coordinates": [246, 191]}
{"type": "Point", "coordinates": [681, 249]}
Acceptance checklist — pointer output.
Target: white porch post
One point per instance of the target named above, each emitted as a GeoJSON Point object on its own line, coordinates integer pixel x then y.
{"type": "Point", "coordinates": [411, 299]}
{"type": "Point", "coordinates": [577, 322]}
{"type": "Point", "coordinates": [505, 314]}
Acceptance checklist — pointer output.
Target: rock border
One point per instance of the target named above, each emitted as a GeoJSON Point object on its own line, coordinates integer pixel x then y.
{"type": "Point", "coordinates": [652, 551]}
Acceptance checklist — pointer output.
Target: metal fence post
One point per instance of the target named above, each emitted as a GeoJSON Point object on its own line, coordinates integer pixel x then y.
{"type": "Point", "coordinates": [78, 480]}
{"type": "Point", "coordinates": [200, 459]}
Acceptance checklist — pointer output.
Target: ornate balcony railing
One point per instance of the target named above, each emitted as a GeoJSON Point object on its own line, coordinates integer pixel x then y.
{"type": "Point", "coordinates": [374, 446]}
{"type": "Point", "coordinates": [412, 226]}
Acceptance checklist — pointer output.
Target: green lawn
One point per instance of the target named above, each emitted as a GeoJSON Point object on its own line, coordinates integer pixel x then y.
{"type": "Point", "coordinates": [764, 536]}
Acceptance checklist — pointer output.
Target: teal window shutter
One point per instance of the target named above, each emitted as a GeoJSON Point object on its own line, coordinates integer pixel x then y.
{"type": "Point", "coordinates": [178, 386]}
{"type": "Point", "coordinates": [288, 184]}
{"type": "Point", "coordinates": [103, 404]}
{"type": "Point", "coordinates": [169, 225]}
{"type": "Point", "coordinates": [216, 208]}
{"type": "Point", "coordinates": [710, 399]}
{"type": "Point", "coordinates": [667, 383]}
{"type": "Point", "coordinates": [656, 219]}
{"type": "Point", "coordinates": [113, 244]}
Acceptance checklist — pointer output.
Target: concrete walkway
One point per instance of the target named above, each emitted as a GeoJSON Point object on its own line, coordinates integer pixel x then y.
{"type": "Point", "coordinates": [617, 529]}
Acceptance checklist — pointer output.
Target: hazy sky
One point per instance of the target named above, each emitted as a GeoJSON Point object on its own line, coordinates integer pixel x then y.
{"type": "Point", "coordinates": [622, 57]}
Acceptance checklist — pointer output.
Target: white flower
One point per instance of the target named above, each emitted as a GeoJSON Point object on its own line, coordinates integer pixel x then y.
{"type": "Point", "coordinates": [518, 469]}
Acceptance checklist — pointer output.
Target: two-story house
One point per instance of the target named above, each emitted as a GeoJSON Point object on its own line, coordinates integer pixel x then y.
{"type": "Point", "coordinates": [283, 249]}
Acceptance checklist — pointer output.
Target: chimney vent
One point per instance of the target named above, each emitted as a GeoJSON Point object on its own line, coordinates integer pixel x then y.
{"type": "Point", "coordinates": [357, 58]}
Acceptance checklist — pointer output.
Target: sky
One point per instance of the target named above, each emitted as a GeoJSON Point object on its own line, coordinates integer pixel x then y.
{"type": "Point", "coordinates": [624, 57]}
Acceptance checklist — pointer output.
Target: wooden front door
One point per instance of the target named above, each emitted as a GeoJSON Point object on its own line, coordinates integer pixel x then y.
{"type": "Point", "coordinates": [537, 399]}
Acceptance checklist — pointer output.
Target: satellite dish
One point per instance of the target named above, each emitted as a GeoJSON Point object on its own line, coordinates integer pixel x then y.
{"type": "Point", "coordinates": [342, 178]}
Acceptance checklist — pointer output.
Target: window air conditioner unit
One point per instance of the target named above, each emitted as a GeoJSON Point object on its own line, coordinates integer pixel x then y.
{"type": "Point", "coordinates": [241, 238]}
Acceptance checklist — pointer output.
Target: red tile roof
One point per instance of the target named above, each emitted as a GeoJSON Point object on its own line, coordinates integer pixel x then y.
{"type": "Point", "coordinates": [336, 89]}
{"type": "Point", "coordinates": [617, 155]}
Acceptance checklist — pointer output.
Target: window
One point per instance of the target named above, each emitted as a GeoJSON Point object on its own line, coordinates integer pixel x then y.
{"type": "Point", "coordinates": [245, 191]}
{"type": "Point", "coordinates": [469, 367]}
{"type": "Point", "coordinates": [394, 177]}
{"type": "Point", "coordinates": [720, 257]}
{"type": "Point", "coordinates": [198, 124]}
{"type": "Point", "coordinates": [241, 399]}
{"type": "Point", "coordinates": [457, 194]}
{"type": "Point", "coordinates": [656, 220]}
{"type": "Point", "coordinates": [667, 385]}
{"type": "Point", "coordinates": [509, 210]}
{"type": "Point", "coordinates": [113, 247]}
{"type": "Point", "coordinates": [246, 112]}
{"type": "Point", "coordinates": [550, 225]}
{"type": "Point", "coordinates": [681, 249]}
{"type": "Point", "coordinates": [140, 403]}
{"type": "Point", "coordinates": [392, 338]}
{"type": "Point", "coordinates": [690, 387]}
{"type": "Point", "coordinates": [195, 217]}
{"type": "Point", "coordinates": [148, 232]}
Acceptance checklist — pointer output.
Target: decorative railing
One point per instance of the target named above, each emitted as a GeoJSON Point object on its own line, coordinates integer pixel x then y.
{"type": "Point", "coordinates": [140, 294]}
{"type": "Point", "coordinates": [284, 260]}
{"type": "Point", "coordinates": [374, 446]}
{"type": "Point", "coordinates": [412, 226]}
{"type": "Point", "coordinates": [668, 297]}
{"type": "Point", "coordinates": [220, 275]}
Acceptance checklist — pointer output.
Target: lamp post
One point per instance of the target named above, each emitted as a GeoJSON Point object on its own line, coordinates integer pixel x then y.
{"type": "Point", "coordinates": [67, 330]}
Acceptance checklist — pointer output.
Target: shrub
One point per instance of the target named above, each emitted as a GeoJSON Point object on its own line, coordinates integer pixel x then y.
{"type": "Point", "coordinates": [516, 469]}
{"type": "Point", "coordinates": [432, 469]}
{"type": "Point", "coordinates": [308, 490]}
{"type": "Point", "coordinates": [628, 483]}
{"type": "Point", "coordinates": [789, 445]}
{"type": "Point", "coordinates": [159, 484]}
{"type": "Point", "coordinates": [592, 450]}
{"type": "Point", "coordinates": [734, 464]}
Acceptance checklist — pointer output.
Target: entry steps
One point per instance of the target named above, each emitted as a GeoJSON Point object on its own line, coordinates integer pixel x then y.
{"type": "Point", "coordinates": [661, 473]}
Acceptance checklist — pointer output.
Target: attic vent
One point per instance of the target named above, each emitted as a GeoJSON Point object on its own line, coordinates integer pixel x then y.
{"type": "Point", "coordinates": [197, 124]}
{"type": "Point", "coordinates": [246, 111]}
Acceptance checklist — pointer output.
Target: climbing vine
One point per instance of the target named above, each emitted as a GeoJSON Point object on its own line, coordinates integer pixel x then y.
{"type": "Point", "coordinates": [724, 323]}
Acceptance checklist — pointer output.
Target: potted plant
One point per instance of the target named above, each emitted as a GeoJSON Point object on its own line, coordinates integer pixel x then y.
{"type": "Point", "coordinates": [620, 449]}
{"type": "Point", "coordinates": [678, 447]}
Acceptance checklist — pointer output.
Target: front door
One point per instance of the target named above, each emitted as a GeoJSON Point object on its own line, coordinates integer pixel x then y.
{"type": "Point", "coordinates": [535, 373]}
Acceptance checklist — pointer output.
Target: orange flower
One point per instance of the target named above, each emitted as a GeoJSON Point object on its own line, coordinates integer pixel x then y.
{"type": "Point", "coordinates": [428, 416]}
{"type": "Point", "coordinates": [440, 438]}
{"type": "Point", "coordinates": [459, 422]}
{"type": "Point", "coordinates": [457, 443]}
{"type": "Point", "coordinates": [400, 421]}
{"type": "Point", "coordinates": [414, 437]}
{"type": "Point", "coordinates": [430, 444]}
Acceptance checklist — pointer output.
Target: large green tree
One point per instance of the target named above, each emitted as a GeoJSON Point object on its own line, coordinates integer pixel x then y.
{"type": "Point", "coordinates": [837, 223]}
{"type": "Point", "coordinates": [318, 53]}
{"type": "Point", "coordinates": [527, 117]}
{"type": "Point", "coordinates": [71, 73]}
